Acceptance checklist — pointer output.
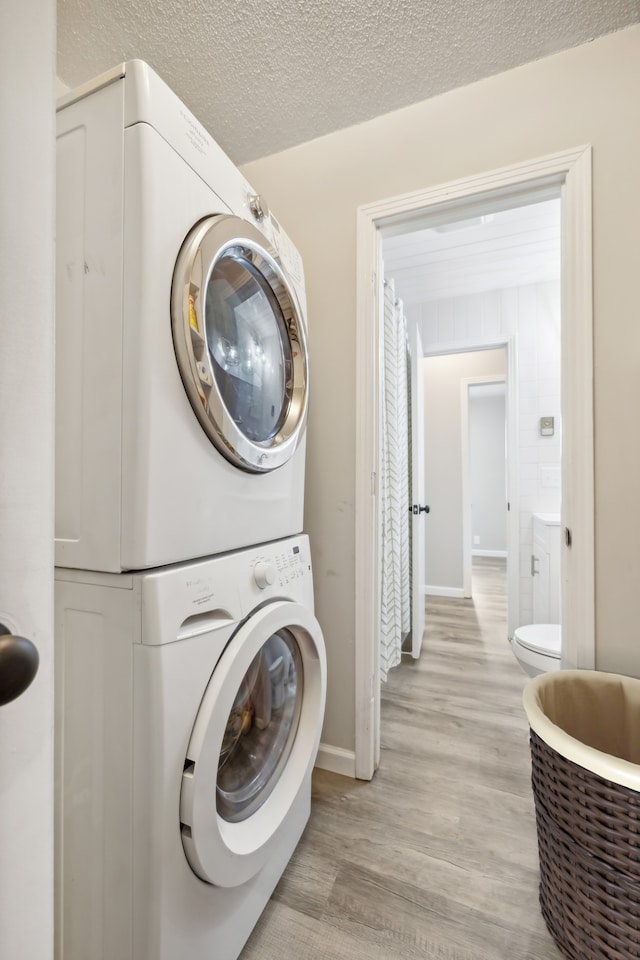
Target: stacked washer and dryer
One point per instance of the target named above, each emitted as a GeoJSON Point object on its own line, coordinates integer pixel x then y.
{"type": "Point", "coordinates": [190, 668]}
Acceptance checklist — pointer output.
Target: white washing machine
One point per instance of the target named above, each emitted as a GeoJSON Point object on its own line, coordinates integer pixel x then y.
{"type": "Point", "coordinates": [181, 358]}
{"type": "Point", "coordinates": [189, 707]}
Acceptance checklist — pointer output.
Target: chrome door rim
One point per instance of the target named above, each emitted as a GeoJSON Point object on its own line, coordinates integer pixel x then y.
{"type": "Point", "coordinates": [208, 242]}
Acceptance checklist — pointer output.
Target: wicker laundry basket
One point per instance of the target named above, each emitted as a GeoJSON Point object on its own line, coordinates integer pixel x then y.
{"type": "Point", "coordinates": [585, 756]}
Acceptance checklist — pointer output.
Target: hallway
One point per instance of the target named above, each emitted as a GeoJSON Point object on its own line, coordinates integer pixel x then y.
{"type": "Point", "coordinates": [436, 858]}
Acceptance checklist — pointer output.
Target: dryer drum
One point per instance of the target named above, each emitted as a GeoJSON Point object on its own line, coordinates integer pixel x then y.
{"type": "Point", "coordinates": [240, 343]}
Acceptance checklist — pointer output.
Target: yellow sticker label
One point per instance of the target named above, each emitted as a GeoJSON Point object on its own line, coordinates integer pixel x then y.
{"type": "Point", "coordinates": [193, 317]}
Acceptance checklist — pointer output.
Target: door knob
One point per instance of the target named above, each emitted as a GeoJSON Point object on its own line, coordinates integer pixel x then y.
{"type": "Point", "coordinates": [18, 665]}
{"type": "Point", "coordinates": [419, 508]}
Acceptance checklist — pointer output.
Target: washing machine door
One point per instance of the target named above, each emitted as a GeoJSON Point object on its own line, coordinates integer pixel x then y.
{"type": "Point", "coordinates": [253, 743]}
{"type": "Point", "coordinates": [240, 343]}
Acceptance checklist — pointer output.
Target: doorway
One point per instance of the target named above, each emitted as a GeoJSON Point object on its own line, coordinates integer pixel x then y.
{"type": "Point", "coordinates": [471, 285]}
{"type": "Point", "coordinates": [568, 176]}
{"type": "Point", "coordinates": [485, 470]}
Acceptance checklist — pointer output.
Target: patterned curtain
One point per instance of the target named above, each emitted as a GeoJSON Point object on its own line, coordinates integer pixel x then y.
{"type": "Point", "coordinates": [395, 614]}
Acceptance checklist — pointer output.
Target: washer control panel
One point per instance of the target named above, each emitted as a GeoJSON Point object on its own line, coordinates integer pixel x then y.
{"type": "Point", "coordinates": [280, 567]}
{"type": "Point", "coordinates": [264, 574]}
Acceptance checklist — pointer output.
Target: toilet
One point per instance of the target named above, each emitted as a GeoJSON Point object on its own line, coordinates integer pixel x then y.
{"type": "Point", "coordinates": [537, 647]}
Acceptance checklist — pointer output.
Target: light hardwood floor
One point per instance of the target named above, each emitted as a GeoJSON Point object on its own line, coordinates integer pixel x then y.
{"type": "Point", "coordinates": [436, 858]}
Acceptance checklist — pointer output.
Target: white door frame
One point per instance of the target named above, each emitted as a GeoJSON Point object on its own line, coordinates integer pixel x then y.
{"type": "Point", "coordinates": [569, 172]}
{"type": "Point", "coordinates": [513, 551]}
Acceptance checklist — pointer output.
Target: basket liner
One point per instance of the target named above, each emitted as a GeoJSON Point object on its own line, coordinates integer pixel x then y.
{"type": "Point", "coordinates": [591, 718]}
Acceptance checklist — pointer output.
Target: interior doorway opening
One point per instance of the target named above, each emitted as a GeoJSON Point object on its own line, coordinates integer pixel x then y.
{"type": "Point", "coordinates": [469, 286]}
{"type": "Point", "coordinates": [565, 176]}
{"type": "Point", "coordinates": [485, 470]}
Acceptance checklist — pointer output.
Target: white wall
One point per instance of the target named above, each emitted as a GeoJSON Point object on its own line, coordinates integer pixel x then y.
{"type": "Point", "coordinates": [442, 378]}
{"type": "Point", "coordinates": [588, 94]}
{"type": "Point", "coordinates": [487, 472]}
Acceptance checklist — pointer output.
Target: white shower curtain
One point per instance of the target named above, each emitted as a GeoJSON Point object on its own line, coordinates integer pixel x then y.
{"type": "Point", "coordinates": [395, 612]}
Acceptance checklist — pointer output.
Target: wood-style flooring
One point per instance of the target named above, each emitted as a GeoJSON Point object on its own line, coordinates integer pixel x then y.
{"type": "Point", "coordinates": [436, 857]}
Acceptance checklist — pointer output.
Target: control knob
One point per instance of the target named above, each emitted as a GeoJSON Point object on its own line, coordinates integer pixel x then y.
{"type": "Point", "coordinates": [264, 574]}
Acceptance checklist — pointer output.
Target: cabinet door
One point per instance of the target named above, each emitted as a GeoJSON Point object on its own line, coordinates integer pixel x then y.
{"type": "Point", "coordinates": [555, 578]}
{"type": "Point", "coordinates": [541, 580]}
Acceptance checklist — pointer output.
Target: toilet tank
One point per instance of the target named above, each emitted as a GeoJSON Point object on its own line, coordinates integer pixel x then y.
{"type": "Point", "coordinates": [545, 568]}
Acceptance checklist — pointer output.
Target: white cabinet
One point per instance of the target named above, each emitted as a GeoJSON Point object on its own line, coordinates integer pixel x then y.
{"type": "Point", "coordinates": [545, 568]}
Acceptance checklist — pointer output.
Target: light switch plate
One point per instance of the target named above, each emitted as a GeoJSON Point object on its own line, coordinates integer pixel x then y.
{"type": "Point", "coordinates": [546, 426]}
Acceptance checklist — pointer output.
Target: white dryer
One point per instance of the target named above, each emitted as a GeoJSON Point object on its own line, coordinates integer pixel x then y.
{"type": "Point", "coordinates": [189, 707]}
{"type": "Point", "coordinates": [181, 358]}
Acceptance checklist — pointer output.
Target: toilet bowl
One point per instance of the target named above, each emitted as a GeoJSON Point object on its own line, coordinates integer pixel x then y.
{"type": "Point", "coordinates": [536, 647]}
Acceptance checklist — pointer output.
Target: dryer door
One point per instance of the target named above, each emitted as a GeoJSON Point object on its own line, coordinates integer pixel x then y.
{"type": "Point", "coordinates": [253, 743]}
{"type": "Point", "coordinates": [239, 338]}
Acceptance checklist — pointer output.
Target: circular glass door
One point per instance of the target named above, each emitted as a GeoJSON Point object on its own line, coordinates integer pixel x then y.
{"type": "Point", "coordinates": [261, 728]}
{"type": "Point", "coordinates": [253, 743]}
{"type": "Point", "coordinates": [240, 343]}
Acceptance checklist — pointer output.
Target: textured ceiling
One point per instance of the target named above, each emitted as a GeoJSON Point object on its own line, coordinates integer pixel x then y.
{"type": "Point", "coordinates": [263, 75]}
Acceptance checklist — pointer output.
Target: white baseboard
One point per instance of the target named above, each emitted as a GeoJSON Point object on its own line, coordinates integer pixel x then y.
{"type": "Point", "coordinates": [489, 553]}
{"type": "Point", "coordinates": [444, 591]}
{"type": "Point", "coordinates": [336, 760]}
